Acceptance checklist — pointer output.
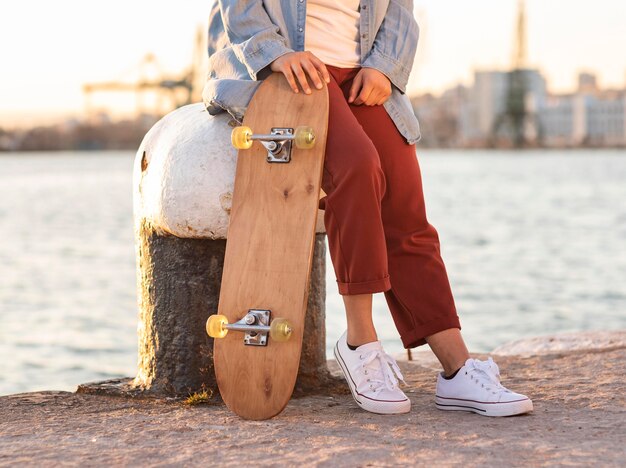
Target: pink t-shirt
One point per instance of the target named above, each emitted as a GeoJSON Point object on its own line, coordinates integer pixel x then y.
{"type": "Point", "coordinates": [332, 31]}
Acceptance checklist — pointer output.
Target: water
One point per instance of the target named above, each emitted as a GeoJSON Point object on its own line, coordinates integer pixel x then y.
{"type": "Point", "coordinates": [534, 243]}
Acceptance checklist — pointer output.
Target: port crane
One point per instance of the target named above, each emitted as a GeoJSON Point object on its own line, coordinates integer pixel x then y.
{"type": "Point", "coordinates": [517, 121]}
{"type": "Point", "coordinates": [170, 92]}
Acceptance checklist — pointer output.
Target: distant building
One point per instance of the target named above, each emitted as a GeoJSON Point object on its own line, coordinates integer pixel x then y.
{"type": "Point", "coordinates": [605, 120]}
{"type": "Point", "coordinates": [486, 100]}
{"type": "Point", "coordinates": [587, 83]}
{"type": "Point", "coordinates": [440, 117]}
{"type": "Point", "coordinates": [589, 117]}
{"type": "Point", "coordinates": [561, 121]}
{"type": "Point", "coordinates": [487, 103]}
{"type": "Point", "coordinates": [471, 117]}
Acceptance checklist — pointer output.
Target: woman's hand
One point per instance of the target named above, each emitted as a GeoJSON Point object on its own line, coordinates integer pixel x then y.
{"type": "Point", "coordinates": [374, 86]}
{"type": "Point", "coordinates": [295, 63]}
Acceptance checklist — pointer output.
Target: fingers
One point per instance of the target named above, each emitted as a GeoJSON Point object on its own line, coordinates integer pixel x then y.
{"type": "Point", "coordinates": [290, 79]}
{"type": "Point", "coordinates": [321, 67]}
{"type": "Point", "coordinates": [354, 89]}
{"type": "Point", "coordinates": [369, 89]}
{"type": "Point", "coordinates": [296, 67]}
{"type": "Point", "coordinates": [363, 91]}
{"type": "Point", "coordinates": [281, 64]}
{"type": "Point", "coordinates": [367, 95]}
{"type": "Point", "coordinates": [374, 98]}
{"type": "Point", "coordinates": [313, 73]}
{"type": "Point", "coordinates": [293, 65]}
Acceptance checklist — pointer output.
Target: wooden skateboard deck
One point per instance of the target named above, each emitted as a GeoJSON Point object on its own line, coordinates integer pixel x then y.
{"type": "Point", "coordinates": [269, 249]}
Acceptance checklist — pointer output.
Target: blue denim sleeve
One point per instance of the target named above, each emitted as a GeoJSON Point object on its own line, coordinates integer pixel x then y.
{"type": "Point", "coordinates": [255, 39]}
{"type": "Point", "coordinates": [395, 45]}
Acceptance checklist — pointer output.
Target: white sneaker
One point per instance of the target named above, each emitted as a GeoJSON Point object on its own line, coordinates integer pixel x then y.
{"type": "Point", "coordinates": [476, 387]}
{"type": "Point", "coordinates": [369, 372]}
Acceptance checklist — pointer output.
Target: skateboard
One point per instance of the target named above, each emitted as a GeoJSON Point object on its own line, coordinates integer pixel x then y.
{"type": "Point", "coordinates": [259, 323]}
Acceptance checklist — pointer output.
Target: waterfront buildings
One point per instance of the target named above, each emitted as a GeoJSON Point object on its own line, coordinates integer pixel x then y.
{"type": "Point", "coordinates": [480, 115]}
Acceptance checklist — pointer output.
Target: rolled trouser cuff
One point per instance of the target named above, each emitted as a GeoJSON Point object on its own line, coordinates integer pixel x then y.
{"type": "Point", "coordinates": [417, 336]}
{"type": "Point", "coordinates": [365, 287]}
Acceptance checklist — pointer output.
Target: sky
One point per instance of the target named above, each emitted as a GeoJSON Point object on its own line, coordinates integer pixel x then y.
{"type": "Point", "coordinates": [49, 49]}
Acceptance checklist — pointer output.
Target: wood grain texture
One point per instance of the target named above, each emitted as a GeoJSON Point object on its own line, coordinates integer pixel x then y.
{"type": "Point", "coordinates": [269, 249]}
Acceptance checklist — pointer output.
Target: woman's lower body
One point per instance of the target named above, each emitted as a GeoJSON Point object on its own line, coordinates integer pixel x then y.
{"type": "Point", "coordinates": [381, 241]}
{"type": "Point", "coordinates": [375, 217]}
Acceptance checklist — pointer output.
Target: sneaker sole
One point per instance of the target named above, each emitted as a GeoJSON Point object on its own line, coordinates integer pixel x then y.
{"type": "Point", "coordinates": [371, 405]}
{"type": "Point", "coordinates": [486, 409]}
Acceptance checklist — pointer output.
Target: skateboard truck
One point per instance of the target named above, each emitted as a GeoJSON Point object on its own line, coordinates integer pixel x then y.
{"type": "Point", "coordinates": [255, 324]}
{"type": "Point", "coordinates": [277, 143]}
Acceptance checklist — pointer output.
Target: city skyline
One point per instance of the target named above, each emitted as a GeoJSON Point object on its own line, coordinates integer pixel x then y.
{"type": "Point", "coordinates": [43, 77]}
{"type": "Point", "coordinates": [487, 115]}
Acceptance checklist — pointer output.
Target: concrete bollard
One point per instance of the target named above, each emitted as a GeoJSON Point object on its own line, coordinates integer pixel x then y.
{"type": "Point", "coordinates": [182, 191]}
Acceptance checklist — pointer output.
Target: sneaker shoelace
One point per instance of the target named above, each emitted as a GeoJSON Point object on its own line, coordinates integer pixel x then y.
{"type": "Point", "coordinates": [381, 370]}
{"type": "Point", "coordinates": [487, 374]}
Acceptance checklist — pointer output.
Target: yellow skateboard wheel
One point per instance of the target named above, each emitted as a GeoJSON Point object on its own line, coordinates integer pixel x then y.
{"type": "Point", "coordinates": [280, 329]}
{"type": "Point", "coordinates": [304, 137]}
{"type": "Point", "coordinates": [240, 137]}
{"type": "Point", "coordinates": [215, 326]}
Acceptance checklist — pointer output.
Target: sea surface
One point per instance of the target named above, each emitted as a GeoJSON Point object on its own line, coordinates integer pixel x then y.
{"type": "Point", "coordinates": [534, 243]}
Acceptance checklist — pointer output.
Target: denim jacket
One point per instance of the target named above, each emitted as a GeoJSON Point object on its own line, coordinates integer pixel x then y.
{"type": "Point", "coordinates": [246, 36]}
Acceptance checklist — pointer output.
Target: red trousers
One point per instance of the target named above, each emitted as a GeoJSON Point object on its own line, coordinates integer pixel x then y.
{"type": "Point", "coordinates": [375, 218]}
